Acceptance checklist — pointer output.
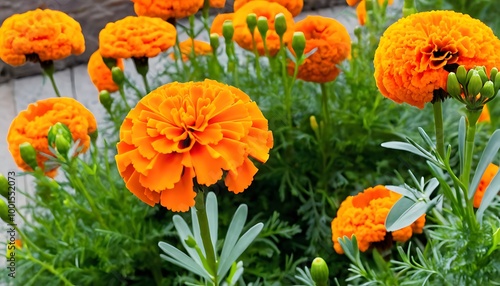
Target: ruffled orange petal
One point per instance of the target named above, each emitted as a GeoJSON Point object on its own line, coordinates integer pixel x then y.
{"type": "Point", "coordinates": [181, 197]}
{"type": "Point", "coordinates": [237, 181]}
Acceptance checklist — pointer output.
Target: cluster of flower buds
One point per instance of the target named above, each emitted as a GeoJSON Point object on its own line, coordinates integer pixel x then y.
{"type": "Point", "coordinates": [60, 138]}
{"type": "Point", "coordinates": [473, 88]}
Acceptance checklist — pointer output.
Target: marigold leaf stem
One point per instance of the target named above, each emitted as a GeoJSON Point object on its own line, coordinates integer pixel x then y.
{"type": "Point", "coordinates": [438, 125]}
{"type": "Point", "coordinates": [201, 213]}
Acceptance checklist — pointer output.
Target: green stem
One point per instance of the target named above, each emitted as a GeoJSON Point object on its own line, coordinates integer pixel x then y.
{"type": "Point", "coordinates": [124, 98]}
{"type": "Point", "coordinates": [48, 70]}
{"type": "Point", "coordinates": [438, 125]}
{"type": "Point", "coordinates": [204, 14]}
{"type": "Point", "coordinates": [256, 54]}
{"type": "Point", "coordinates": [201, 213]}
{"type": "Point", "coordinates": [51, 269]}
{"type": "Point", "coordinates": [142, 67]}
{"type": "Point", "coordinates": [324, 103]}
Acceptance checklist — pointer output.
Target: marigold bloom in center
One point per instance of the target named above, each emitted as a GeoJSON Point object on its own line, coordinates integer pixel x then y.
{"type": "Point", "coordinates": [183, 131]}
{"type": "Point", "coordinates": [48, 34]}
{"type": "Point", "coordinates": [417, 52]}
{"type": "Point", "coordinates": [364, 216]}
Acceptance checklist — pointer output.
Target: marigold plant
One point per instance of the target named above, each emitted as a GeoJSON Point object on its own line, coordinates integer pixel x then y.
{"type": "Point", "coordinates": [185, 131]}
{"type": "Point", "coordinates": [32, 125]}
{"type": "Point", "coordinates": [167, 9]}
{"type": "Point", "coordinates": [294, 6]}
{"type": "Point", "coordinates": [242, 34]}
{"type": "Point", "coordinates": [218, 21]}
{"type": "Point", "coordinates": [417, 52]}
{"type": "Point", "coordinates": [361, 9]}
{"type": "Point", "coordinates": [100, 74]}
{"type": "Point", "coordinates": [364, 215]}
{"type": "Point", "coordinates": [39, 35]}
{"type": "Point", "coordinates": [200, 48]}
{"type": "Point", "coordinates": [333, 45]}
{"type": "Point", "coordinates": [136, 37]}
{"type": "Point", "coordinates": [488, 175]}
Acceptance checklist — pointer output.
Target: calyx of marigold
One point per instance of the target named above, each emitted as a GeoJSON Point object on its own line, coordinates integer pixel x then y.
{"type": "Point", "coordinates": [28, 154]}
{"type": "Point", "coordinates": [453, 87]}
{"type": "Point", "coordinates": [280, 24]}
{"type": "Point", "coordinates": [110, 62]}
{"type": "Point", "coordinates": [214, 42]}
{"type": "Point", "coordinates": [105, 99]}
{"type": "Point", "coordinates": [462, 75]}
{"type": "Point", "coordinates": [319, 271]}
{"type": "Point", "coordinates": [228, 30]}
{"type": "Point", "coordinates": [252, 22]}
{"type": "Point", "coordinates": [475, 84]}
{"type": "Point", "coordinates": [488, 89]}
{"type": "Point", "coordinates": [4, 186]}
{"type": "Point", "coordinates": [117, 75]}
{"type": "Point", "coordinates": [4, 211]}
{"type": "Point", "coordinates": [141, 65]}
{"type": "Point", "coordinates": [62, 145]}
{"type": "Point", "coordinates": [262, 26]}
{"type": "Point", "coordinates": [299, 44]}
{"type": "Point", "coordinates": [58, 129]}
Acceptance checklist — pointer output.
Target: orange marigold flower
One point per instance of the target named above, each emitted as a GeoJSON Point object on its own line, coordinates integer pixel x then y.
{"type": "Point", "coordinates": [353, 2]}
{"type": "Point", "coordinates": [167, 9]}
{"type": "Point", "coordinates": [219, 21]}
{"type": "Point", "coordinates": [136, 37]}
{"type": "Point", "coordinates": [217, 3]}
{"type": "Point", "coordinates": [485, 181]}
{"type": "Point", "coordinates": [485, 115]}
{"type": "Point", "coordinates": [364, 215]}
{"type": "Point", "coordinates": [39, 35]}
{"type": "Point", "coordinates": [416, 53]}
{"type": "Point", "coordinates": [200, 49]}
{"type": "Point", "coordinates": [183, 131]}
{"type": "Point", "coordinates": [331, 39]}
{"type": "Point", "coordinates": [294, 6]}
{"type": "Point", "coordinates": [100, 74]}
{"type": "Point", "coordinates": [242, 34]}
{"type": "Point", "coordinates": [32, 125]}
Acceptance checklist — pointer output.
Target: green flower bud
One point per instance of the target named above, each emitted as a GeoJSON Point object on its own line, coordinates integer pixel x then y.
{"type": "Point", "coordinates": [4, 186]}
{"type": "Point", "coordinates": [190, 241]}
{"type": "Point", "coordinates": [493, 74]}
{"type": "Point", "coordinates": [4, 211]}
{"type": "Point", "coordinates": [28, 154]}
{"type": "Point", "coordinates": [313, 123]}
{"type": "Point", "coordinates": [497, 82]}
{"type": "Point", "coordinates": [251, 22]}
{"type": "Point", "coordinates": [319, 271]}
{"type": "Point", "coordinates": [462, 75]}
{"type": "Point", "coordinates": [62, 145]}
{"type": "Point", "coordinates": [228, 30]}
{"type": "Point", "coordinates": [214, 42]}
{"type": "Point", "coordinates": [482, 74]}
{"type": "Point", "coordinates": [280, 24]}
{"type": "Point", "coordinates": [488, 89]}
{"type": "Point", "coordinates": [105, 99]}
{"type": "Point", "coordinates": [469, 75]}
{"type": "Point", "coordinates": [299, 44]}
{"type": "Point", "coordinates": [58, 129]}
{"type": "Point", "coordinates": [110, 62]}
{"type": "Point", "coordinates": [475, 84]}
{"type": "Point", "coordinates": [117, 75]}
{"type": "Point", "coordinates": [263, 26]}
{"type": "Point", "coordinates": [452, 86]}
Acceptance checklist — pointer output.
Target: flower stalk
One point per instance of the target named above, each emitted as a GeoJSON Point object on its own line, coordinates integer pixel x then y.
{"type": "Point", "coordinates": [201, 214]}
{"type": "Point", "coordinates": [438, 126]}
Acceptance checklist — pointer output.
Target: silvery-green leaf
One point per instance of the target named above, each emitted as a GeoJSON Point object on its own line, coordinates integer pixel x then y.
{"type": "Point", "coordinates": [404, 212]}
{"type": "Point", "coordinates": [486, 158]}
{"type": "Point", "coordinates": [489, 195]}
{"type": "Point", "coordinates": [213, 217]}
{"type": "Point", "coordinates": [179, 258]}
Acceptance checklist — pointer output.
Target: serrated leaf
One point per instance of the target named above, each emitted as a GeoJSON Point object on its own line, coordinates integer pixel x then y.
{"type": "Point", "coordinates": [404, 212]}
{"type": "Point", "coordinates": [489, 153]}
{"type": "Point", "coordinates": [489, 195]}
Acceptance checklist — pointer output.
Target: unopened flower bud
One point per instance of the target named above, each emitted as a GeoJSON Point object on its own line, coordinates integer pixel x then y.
{"type": "Point", "coordinates": [262, 26]}
{"type": "Point", "coordinates": [214, 42]}
{"type": "Point", "coordinates": [493, 74]}
{"type": "Point", "coordinates": [4, 211]}
{"type": "Point", "coordinates": [475, 84]}
{"type": "Point", "coordinates": [313, 123]}
{"type": "Point", "coordinates": [469, 75]}
{"type": "Point", "coordinates": [482, 74]}
{"type": "Point", "coordinates": [280, 24]}
{"type": "Point", "coordinates": [251, 22]}
{"type": "Point", "coordinates": [190, 241]}
{"type": "Point", "coordinates": [298, 44]}
{"type": "Point", "coordinates": [462, 75]}
{"type": "Point", "coordinates": [319, 271]}
{"type": "Point", "coordinates": [4, 186]}
{"type": "Point", "coordinates": [105, 99]}
{"type": "Point", "coordinates": [452, 86]}
{"type": "Point", "coordinates": [58, 129]}
{"type": "Point", "coordinates": [488, 89]}
{"type": "Point", "coordinates": [117, 75]}
{"type": "Point", "coordinates": [62, 145]}
{"type": "Point", "coordinates": [28, 154]}
{"type": "Point", "coordinates": [497, 82]}
{"type": "Point", "coordinates": [228, 30]}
